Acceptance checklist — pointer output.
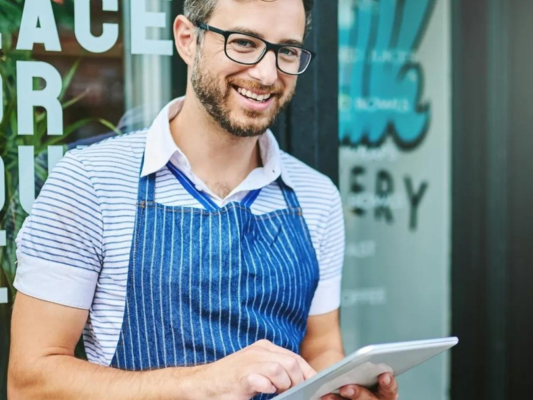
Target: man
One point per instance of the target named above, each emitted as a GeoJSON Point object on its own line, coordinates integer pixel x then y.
{"type": "Point", "coordinates": [196, 257]}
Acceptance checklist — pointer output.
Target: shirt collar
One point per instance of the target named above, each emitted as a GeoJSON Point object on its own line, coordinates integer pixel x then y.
{"type": "Point", "coordinates": [160, 149]}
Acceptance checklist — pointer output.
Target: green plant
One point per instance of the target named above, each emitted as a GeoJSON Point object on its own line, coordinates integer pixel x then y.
{"type": "Point", "coordinates": [11, 14]}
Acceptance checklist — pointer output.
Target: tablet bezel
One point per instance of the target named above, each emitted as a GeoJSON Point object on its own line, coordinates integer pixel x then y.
{"type": "Point", "coordinates": [432, 348]}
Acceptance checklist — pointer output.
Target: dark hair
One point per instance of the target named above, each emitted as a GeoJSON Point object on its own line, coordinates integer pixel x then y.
{"type": "Point", "coordinates": [200, 11]}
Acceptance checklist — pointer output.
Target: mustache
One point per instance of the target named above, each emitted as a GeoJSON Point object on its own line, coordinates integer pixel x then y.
{"type": "Point", "coordinates": [252, 85]}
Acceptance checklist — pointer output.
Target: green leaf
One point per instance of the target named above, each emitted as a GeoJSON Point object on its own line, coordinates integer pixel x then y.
{"type": "Point", "coordinates": [67, 80]}
{"type": "Point", "coordinates": [40, 129]}
{"type": "Point", "coordinates": [109, 125]}
{"type": "Point", "coordinates": [13, 121]}
{"type": "Point", "coordinates": [40, 117]}
{"type": "Point", "coordinates": [8, 6]}
{"type": "Point", "coordinates": [75, 99]}
{"type": "Point", "coordinates": [72, 128]}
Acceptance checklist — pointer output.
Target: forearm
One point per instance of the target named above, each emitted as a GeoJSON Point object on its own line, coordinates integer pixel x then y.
{"type": "Point", "coordinates": [325, 359]}
{"type": "Point", "coordinates": [61, 377]}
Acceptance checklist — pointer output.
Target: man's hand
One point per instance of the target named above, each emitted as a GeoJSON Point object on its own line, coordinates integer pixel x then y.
{"type": "Point", "coordinates": [260, 368]}
{"type": "Point", "coordinates": [43, 367]}
{"type": "Point", "coordinates": [387, 389]}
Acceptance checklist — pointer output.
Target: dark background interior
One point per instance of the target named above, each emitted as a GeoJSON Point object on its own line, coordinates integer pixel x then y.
{"type": "Point", "coordinates": [492, 263]}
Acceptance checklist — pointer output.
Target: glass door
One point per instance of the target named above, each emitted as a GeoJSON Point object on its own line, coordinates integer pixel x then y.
{"type": "Point", "coordinates": [394, 127]}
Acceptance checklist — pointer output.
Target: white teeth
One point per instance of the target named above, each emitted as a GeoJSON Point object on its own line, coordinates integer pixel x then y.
{"type": "Point", "coordinates": [252, 95]}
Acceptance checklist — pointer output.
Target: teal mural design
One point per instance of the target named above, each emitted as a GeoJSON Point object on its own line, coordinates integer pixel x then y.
{"type": "Point", "coordinates": [381, 83]}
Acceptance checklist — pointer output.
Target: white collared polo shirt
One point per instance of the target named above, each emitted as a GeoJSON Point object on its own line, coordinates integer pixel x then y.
{"type": "Point", "coordinates": [74, 248]}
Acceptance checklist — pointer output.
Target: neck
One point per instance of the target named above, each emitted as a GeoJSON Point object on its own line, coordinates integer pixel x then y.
{"type": "Point", "coordinates": [220, 160]}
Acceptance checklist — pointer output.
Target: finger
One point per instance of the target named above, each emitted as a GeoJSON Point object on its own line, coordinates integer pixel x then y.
{"type": "Point", "coordinates": [354, 392]}
{"type": "Point", "coordinates": [276, 374]}
{"type": "Point", "coordinates": [256, 383]}
{"type": "Point", "coordinates": [292, 366]}
{"type": "Point", "coordinates": [388, 387]}
{"type": "Point", "coordinates": [287, 361]}
{"type": "Point", "coordinates": [308, 371]}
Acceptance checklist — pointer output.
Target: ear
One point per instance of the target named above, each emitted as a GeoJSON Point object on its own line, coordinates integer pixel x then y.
{"type": "Point", "coordinates": [185, 39]}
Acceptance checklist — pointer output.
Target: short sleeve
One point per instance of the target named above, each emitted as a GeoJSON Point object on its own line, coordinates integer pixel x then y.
{"type": "Point", "coordinates": [59, 248]}
{"type": "Point", "coordinates": [330, 259]}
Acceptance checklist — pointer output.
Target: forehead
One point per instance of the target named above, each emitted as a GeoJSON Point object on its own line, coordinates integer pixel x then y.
{"type": "Point", "coordinates": [275, 20]}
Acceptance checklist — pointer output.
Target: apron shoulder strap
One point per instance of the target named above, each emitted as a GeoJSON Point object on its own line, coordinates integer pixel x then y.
{"type": "Point", "coordinates": [288, 193]}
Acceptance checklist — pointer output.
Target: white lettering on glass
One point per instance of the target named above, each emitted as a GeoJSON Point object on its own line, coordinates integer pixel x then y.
{"type": "Point", "coordinates": [364, 297]}
{"type": "Point", "coordinates": [26, 177]}
{"type": "Point", "coordinates": [2, 199]}
{"type": "Point", "coordinates": [3, 295]}
{"type": "Point", "coordinates": [140, 21]}
{"type": "Point", "coordinates": [38, 25]}
{"type": "Point", "coordinates": [82, 27]}
{"type": "Point", "coordinates": [27, 172]}
{"type": "Point", "coordinates": [55, 154]}
{"type": "Point", "coordinates": [3, 291]}
{"type": "Point", "coordinates": [2, 185]}
{"type": "Point", "coordinates": [27, 98]}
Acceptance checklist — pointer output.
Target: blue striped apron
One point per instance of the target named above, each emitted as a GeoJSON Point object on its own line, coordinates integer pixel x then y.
{"type": "Point", "coordinates": [205, 283]}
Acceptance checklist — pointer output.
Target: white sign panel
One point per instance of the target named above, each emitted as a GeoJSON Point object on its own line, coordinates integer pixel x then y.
{"type": "Point", "coordinates": [3, 295]}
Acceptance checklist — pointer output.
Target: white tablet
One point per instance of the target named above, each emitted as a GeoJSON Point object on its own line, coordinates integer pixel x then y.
{"type": "Point", "coordinates": [365, 366]}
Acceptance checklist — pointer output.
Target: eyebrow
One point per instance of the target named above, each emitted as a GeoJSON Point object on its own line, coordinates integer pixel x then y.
{"type": "Point", "coordinates": [251, 32]}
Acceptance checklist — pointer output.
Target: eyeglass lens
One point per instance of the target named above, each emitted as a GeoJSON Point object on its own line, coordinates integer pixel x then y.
{"type": "Point", "coordinates": [248, 50]}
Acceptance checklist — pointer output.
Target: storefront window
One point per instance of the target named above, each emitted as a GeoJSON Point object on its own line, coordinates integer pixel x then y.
{"type": "Point", "coordinates": [71, 73]}
{"type": "Point", "coordinates": [395, 118]}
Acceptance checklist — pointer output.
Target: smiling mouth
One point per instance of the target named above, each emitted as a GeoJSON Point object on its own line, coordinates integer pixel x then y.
{"type": "Point", "coordinates": [247, 94]}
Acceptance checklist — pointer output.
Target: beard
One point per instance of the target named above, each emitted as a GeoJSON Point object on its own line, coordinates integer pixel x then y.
{"type": "Point", "coordinates": [215, 100]}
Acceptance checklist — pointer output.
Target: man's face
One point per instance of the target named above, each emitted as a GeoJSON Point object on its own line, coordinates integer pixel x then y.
{"type": "Point", "coordinates": [222, 85]}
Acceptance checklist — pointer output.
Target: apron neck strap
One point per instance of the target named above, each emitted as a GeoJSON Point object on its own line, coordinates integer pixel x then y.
{"type": "Point", "coordinates": [147, 190]}
{"type": "Point", "coordinates": [288, 193]}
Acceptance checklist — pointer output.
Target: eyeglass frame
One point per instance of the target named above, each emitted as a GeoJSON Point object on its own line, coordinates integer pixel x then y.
{"type": "Point", "coordinates": [269, 46]}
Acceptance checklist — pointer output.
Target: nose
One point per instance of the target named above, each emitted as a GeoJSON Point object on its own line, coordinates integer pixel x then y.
{"type": "Point", "coordinates": [266, 71]}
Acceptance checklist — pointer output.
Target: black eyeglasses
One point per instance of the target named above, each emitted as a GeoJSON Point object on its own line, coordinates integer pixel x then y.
{"type": "Point", "coordinates": [247, 49]}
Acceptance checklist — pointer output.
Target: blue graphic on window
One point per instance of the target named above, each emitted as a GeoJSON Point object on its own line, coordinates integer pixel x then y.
{"type": "Point", "coordinates": [381, 83]}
